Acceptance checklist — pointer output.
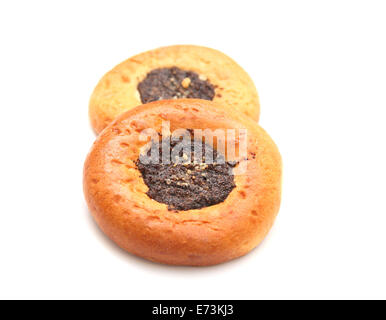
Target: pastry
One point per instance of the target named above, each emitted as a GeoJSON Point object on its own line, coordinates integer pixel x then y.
{"type": "Point", "coordinates": [174, 72]}
{"type": "Point", "coordinates": [190, 211]}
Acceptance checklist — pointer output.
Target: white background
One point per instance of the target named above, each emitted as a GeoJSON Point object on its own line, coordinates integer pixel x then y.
{"type": "Point", "coordinates": [320, 70]}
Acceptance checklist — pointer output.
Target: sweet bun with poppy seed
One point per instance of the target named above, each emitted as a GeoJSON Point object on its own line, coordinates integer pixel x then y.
{"type": "Point", "coordinates": [183, 213]}
{"type": "Point", "coordinates": [174, 72]}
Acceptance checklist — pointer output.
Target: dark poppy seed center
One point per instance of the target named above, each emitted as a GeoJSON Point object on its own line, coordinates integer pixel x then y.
{"type": "Point", "coordinates": [174, 83]}
{"type": "Point", "coordinates": [188, 183]}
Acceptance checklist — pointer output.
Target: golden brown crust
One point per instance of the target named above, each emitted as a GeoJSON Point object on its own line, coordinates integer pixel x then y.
{"type": "Point", "coordinates": [116, 194]}
{"type": "Point", "coordinates": [117, 91]}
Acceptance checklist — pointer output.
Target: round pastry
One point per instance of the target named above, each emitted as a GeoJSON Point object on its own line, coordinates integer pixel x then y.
{"type": "Point", "coordinates": [172, 73]}
{"type": "Point", "coordinates": [184, 182]}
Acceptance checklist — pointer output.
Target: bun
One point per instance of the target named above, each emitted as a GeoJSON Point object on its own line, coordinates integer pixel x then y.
{"type": "Point", "coordinates": [194, 72]}
{"type": "Point", "coordinates": [117, 194]}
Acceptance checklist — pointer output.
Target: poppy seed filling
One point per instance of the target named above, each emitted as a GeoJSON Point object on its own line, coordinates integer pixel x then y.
{"type": "Point", "coordinates": [188, 183]}
{"type": "Point", "coordinates": [174, 83]}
